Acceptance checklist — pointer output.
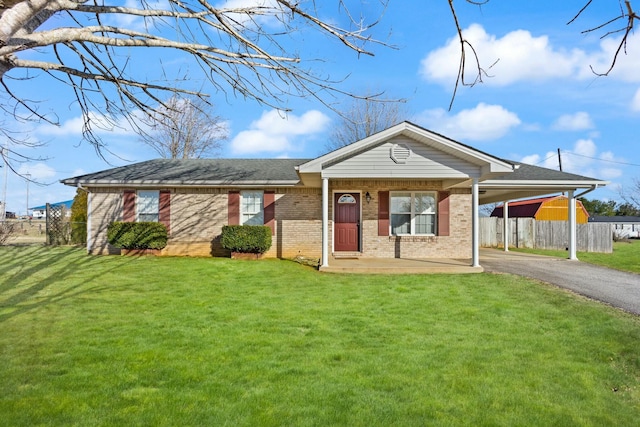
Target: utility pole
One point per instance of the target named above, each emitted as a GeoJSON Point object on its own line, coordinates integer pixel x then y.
{"type": "Point", "coordinates": [27, 176]}
{"type": "Point", "coordinates": [559, 160]}
{"type": "Point", "coordinates": [3, 211]}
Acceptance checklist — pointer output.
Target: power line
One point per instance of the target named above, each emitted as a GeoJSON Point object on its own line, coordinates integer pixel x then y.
{"type": "Point", "coordinates": [602, 160]}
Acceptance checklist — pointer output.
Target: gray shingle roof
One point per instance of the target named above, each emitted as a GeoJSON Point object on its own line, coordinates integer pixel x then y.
{"type": "Point", "coordinates": [527, 172]}
{"type": "Point", "coordinates": [197, 172]}
{"type": "Point", "coordinates": [255, 172]}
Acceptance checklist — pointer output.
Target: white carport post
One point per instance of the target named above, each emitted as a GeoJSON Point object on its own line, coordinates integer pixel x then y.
{"type": "Point", "coordinates": [572, 226]}
{"type": "Point", "coordinates": [505, 225]}
{"type": "Point", "coordinates": [475, 225]}
{"type": "Point", "coordinates": [325, 222]}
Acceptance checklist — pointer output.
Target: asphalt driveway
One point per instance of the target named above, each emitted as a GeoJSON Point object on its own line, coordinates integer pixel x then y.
{"type": "Point", "coordinates": [613, 287]}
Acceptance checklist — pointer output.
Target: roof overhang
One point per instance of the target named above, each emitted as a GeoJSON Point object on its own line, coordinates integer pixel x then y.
{"type": "Point", "coordinates": [177, 183]}
{"type": "Point", "coordinates": [492, 191]}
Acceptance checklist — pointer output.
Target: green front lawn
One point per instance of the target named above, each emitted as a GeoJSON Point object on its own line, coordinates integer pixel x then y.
{"type": "Point", "coordinates": [210, 342]}
{"type": "Point", "coordinates": [625, 256]}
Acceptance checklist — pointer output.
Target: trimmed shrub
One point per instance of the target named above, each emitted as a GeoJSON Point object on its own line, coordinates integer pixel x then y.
{"type": "Point", "coordinates": [137, 235]}
{"type": "Point", "coordinates": [252, 239]}
{"type": "Point", "coordinates": [79, 218]}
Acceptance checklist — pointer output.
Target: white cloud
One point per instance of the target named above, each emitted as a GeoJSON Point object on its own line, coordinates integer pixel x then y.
{"type": "Point", "coordinates": [574, 122]}
{"type": "Point", "coordinates": [635, 102]}
{"type": "Point", "coordinates": [273, 132]}
{"type": "Point", "coordinates": [73, 127]}
{"type": "Point", "coordinates": [38, 172]}
{"type": "Point", "coordinates": [532, 159]}
{"type": "Point", "coordinates": [482, 123]}
{"type": "Point", "coordinates": [582, 159]}
{"type": "Point", "coordinates": [626, 65]}
{"type": "Point", "coordinates": [520, 56]}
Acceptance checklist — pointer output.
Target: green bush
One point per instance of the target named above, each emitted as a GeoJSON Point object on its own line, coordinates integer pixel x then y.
{"type": "Point", "coordinates": [79, 217]}
{"type": "Point", "coordinates": [253, 239]}
{"type": "Point", "coordinates": [137, 235]}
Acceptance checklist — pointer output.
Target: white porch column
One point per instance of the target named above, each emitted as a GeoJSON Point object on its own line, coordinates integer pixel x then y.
{"type": "Point", "coordinates": [325, 222]}
{"type": "Point", "coordinates": [572, 226]}
{"type": "Point", "coordinates": [505, 226]}
{"type": "Point", "coordinates": [475, 225]}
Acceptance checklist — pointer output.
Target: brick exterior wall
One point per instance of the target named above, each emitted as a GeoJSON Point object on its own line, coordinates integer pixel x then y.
{"type": "Point", "coordinates": [456, 245]}
{"type": "Point", "coordinates": [198, 214]}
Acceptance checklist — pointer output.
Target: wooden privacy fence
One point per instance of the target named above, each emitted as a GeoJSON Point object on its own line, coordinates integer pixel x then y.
{"type": "Point", "coordinates": [529, 233]}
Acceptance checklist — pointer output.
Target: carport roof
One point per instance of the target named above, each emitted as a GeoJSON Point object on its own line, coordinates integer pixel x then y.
{"type": "Point", "coordinates": [533, 181]}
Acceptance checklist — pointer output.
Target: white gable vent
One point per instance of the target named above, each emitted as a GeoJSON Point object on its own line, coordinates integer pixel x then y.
{"type": "Point", "coordinates": [400, 153]}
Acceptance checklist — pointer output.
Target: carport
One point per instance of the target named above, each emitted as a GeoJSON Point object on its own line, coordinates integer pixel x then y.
{"type": "Point", "coordinates": [532, 181]}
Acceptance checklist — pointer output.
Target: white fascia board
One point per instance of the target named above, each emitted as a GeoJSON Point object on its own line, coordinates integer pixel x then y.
{"type": "Point", "coordinates": [162, 183]}
{"type": "Point", "coordinates": [542, 184]}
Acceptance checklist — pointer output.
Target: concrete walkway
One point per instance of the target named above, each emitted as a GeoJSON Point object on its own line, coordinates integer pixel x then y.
{"type": "Point", "coordinates": [613, 287]}
{"type": "Point", "coordinates": [399, 266]}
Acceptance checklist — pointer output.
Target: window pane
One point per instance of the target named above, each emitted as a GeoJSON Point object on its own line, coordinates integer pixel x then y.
{"type": "Point", "coordinates": [401, 202]}
{"type": "Point", "coordinates": [425, 203]}
{"type": "Point", "coordinates": [425, 224]}
{"type": "Point", "coordinates": [148, 205]}
{"type": "Point", "coordinates": [251, 208]}
{"type": "Point", "coordinates": [147, 217]}
{"type": "Point", "coordinates": [400, 224]}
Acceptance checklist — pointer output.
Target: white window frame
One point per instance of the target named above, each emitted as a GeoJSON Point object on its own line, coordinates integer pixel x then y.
{"type": "Point", "coordinates": [413, 213]}
{"type": "Point", "coordinates": [148, 205]}
{"type": "Point", "coordinates": [252, 207]}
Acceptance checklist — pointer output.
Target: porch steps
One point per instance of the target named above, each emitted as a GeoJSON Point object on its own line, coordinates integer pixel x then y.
{"type": "Point", "coordinates": [346, 255]}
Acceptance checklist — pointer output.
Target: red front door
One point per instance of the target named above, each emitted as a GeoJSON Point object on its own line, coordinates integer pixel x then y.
{"type": "Point", "coordinates": [346, 235]}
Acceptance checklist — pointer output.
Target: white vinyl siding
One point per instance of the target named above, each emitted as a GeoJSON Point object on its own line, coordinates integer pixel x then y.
{"type": "Point", "coordinates": [425, 162]}
{"type": "Point", "coordinates": [148, 205]}
{"type": "Point", "coordinates": [413, 213]}
{"type": "Point", "coordinates": [251, 208]}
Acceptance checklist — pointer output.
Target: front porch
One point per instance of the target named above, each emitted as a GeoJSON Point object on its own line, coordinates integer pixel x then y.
{"type": "Point", "coordinates": [399, 266]}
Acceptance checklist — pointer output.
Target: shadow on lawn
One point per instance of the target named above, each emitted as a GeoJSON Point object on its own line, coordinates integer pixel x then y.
{"type": "Point", "coordinates": [56, 265]}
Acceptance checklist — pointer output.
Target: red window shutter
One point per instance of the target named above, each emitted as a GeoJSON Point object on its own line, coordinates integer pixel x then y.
{"type": "Point", "coordinates": [129, 206]}
{"type": "Point", "coordinates": [270, 210]}
{"type": "Point", "coordinates": [234, 208]}
{"type": "Point", "coordinates": [164, 214]}
{"type": "Point", "coordinates": [383, 213]}
{"type": "Point", "coordinates": [443, 213]}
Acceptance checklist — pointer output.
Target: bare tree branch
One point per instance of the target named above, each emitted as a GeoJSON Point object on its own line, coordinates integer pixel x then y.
{"type": "Point", "coordinates": [187, 129]}
{"type": "Point", "coordinates": [363, 118]}
{"type": "Point", "coordinates": [241, 50]}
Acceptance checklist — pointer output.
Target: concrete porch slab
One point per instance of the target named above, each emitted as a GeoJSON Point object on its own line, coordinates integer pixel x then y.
{"type": "Point", "coordinates": [399, 266]}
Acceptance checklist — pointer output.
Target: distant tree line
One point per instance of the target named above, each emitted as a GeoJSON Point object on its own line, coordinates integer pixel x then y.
{"type": "Point", "coordinates": [609, 208]}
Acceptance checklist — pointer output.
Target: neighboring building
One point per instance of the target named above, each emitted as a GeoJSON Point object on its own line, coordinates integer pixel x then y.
{"type": "Point", "coordinates": [624, 227]}
{"type": "Point", "coordinates": [40, 212]}
{"type": "Point", "coordinates": [403, 192]}
{"type": "Point", "coordinates": [554, 208]}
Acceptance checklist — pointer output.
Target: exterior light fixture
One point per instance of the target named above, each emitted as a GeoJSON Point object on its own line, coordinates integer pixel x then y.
{"type": "Point", "coordinates": [368, 197]}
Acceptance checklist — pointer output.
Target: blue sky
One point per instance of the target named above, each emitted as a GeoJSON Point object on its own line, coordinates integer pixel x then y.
{"type": "Point", "coordinates": [541, 96]}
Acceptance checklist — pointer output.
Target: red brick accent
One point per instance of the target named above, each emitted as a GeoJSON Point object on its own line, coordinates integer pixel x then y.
{"type": "Point", "coordinates": [164, 214]}
{"type": "Point", "coordinates": [270, 210]}
{"type": "Point", "coordinates": [234, 208]}
{"type": "Point", "coordinates": [129, 206]}
{"type": "Point", "coordinates": [443, 213]}
{"type": "Point", "coordinates": [383, 213]}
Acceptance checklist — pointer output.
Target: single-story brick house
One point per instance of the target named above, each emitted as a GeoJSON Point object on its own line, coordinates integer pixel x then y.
{"type": "Point", "coordinates": [403, 192]}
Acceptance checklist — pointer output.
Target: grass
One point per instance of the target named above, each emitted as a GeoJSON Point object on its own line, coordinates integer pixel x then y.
{"type": "Point", "coordinates": [102, 341]}
{"type": "Point", "coordinates": [625, 256]}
